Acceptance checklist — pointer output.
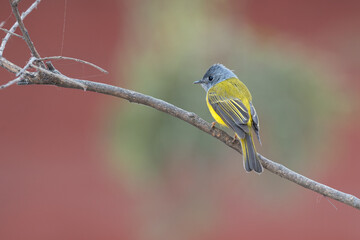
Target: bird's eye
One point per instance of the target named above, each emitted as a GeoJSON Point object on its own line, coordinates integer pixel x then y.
{"type": "Point", "coordinates": [211, 78]}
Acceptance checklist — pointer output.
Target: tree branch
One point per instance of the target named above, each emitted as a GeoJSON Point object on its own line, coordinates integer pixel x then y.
{"type": "Point", "coordinates": [52, 77]}
{"type": "Point", "coordinates": [8, 31]}
{"type": "Point", "coordinates": [74, 59]}
{"type": "Point", "coordinates": [16, 24]}
{"type": "Point", "coordinates": [193, 119]}
{"type": "Point", "coordinates": [14, 7]}
{"type": "Point", "coordinates": [308, 183]}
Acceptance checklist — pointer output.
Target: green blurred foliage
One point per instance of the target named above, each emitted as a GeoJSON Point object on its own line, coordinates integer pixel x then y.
{"type": "Point", "coordinates": [172, 43]}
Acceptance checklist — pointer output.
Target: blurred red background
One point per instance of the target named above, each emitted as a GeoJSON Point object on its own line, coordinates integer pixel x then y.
{"type": "Point", "coordinates": [56, 181]}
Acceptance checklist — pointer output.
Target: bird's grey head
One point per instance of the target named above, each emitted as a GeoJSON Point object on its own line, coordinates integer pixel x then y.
{"type": "Point", "coordinates": [215, 74]}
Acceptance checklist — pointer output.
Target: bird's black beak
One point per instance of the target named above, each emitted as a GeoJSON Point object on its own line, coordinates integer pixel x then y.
{"type": "Point", "coordinates": [199, 81]}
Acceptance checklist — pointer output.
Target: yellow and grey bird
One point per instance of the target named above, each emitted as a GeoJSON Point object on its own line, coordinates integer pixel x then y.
{"type": "Point", "coordinates": [230, 104]}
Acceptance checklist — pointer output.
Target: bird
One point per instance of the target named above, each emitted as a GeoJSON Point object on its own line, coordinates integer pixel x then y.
{"type": "Point", "coordinates": [230, 104]}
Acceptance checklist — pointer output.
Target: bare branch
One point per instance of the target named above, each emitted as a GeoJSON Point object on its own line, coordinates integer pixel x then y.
{"type": "Point", "coordinates": [63, 30]}
{"type": "Point", "coordinates": [48, 77]}
{"type": "Point", "coordinates": [16, 80]}
{"type": "Point", "coordinates": [15, 34]}
{"type": "Point", "coordinates": [19, 73]}
{"type": "Point", "coordinates": [16, 24]}
{"type": "Point", "coordinates": [51, 76]}
{"type": "Point", "coordinates": [308, 183]}
{"type": "Point", "coordinates": [73, 59]}
{"type": "Point", "coordinates": [11, 67]}
{"type": "Point", "coordinates": [14, 7]}
{"type": "Point", "coordinates": [32, 59]}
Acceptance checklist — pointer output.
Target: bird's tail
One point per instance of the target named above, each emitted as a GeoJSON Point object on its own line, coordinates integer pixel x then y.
{"type": "Point", "coordinates": [251, 162]}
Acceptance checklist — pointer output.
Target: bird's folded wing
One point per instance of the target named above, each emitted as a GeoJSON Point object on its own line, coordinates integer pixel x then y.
{"type": "Point", "coordinates": [232, 111]}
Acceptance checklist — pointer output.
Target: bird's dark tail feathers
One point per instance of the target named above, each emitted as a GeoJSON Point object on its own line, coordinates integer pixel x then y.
{"type": "Point", "coordinates": [251, 161]}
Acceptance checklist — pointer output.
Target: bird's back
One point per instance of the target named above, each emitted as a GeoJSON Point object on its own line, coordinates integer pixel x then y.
{"type": "Point", "coordinates": [232, 88]}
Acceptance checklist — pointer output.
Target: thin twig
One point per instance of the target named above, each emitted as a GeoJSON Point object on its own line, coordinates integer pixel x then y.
{"type": "Point", "coordinates": [32, 59]}
{"type": "Point", "coordinates": [11, 67]}
{"type": "Point", "coordinates": [15, 34]}
{"type": "Point", "coordinates": [21, 73]}
{"type": "Point", "coordinates": [63, 30]}
{"type": "Point", "coordinates": [16, 80]}
{"type": "Point", "coordinates": [73, 59]}
{"type": "Point", "coordinates": [16, 24]}
{"type": "Point", "coordinates": [34, 52]}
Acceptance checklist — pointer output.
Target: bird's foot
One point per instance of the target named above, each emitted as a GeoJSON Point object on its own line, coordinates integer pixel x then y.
{"type": "Point", "coordinates": [235, 138]}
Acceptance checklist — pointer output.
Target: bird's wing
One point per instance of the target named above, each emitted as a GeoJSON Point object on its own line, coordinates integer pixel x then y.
{"type": "Point", "coordinates": [232, 111]}
{"type": "Point", "coordinates": [255, 121]}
